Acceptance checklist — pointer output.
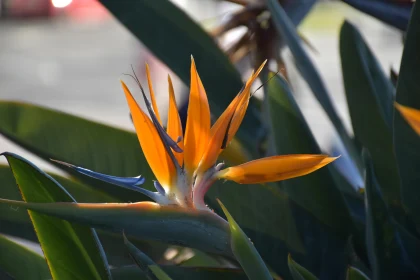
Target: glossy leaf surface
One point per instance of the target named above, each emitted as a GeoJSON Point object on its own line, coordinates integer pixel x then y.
{"type": "Point", "coordinates": [84, 257]}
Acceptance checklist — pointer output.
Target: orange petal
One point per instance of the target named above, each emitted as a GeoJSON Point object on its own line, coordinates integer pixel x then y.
{"type": "Point", "coordinates": [197, 129]}
{"type": "Point", "coordinates": [275, 168]}
{"type": "Point", "coordinates": [411, 115]}
{"type": "Point", "coordinates": [218, 133]}
{"type": "Point", "coordinates": [150, 142]}
{"type": "Point", "coordinates": [174, 127]}
{"type": "Point", "coordinates": [235, 153]}
{"type": "Point", "coordinates": [241, 110]}
{"type": "Point", "coordinates": [152, 94]}
{"type": "Point", "coordinates": [230, 119]}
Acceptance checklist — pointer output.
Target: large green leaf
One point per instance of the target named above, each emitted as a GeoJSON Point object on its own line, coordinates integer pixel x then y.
{"type": "Point", "coordinates": [141, 259]}
{"type": "Point", "coordinates": [160, 274]}
{"type": "Point", "coordinates": [315, 192]}
{"type": "Point", "coordinates": [299, 272]}
{"type": "Point", "coordinates": [181, 273]}
{"type": "Point", "coordinates": [51, 134]}
{"type": "Point", "coordinates": [355, 274]}
{"type": "Point", "coordinates": [21, 263]}
{"type": "Point", "coordinates": [324, 216]}
{"type": "Point", "coordinates": [72, 251]}
{"type": "Point", "coordinates": [173, 37]}
{"type": "Point", "coordinates": [406, 141]}
{"type": "Point", "coordinates": [307, 69]}
{"type": "Point", "coordinates": [245, 251]}
{"type": "Point", "coordinates": [175, 225]}
{"type": "Point", "coordinates": [370, 101]}
{"type": "Point", "coordinates": [265, 214]}
{"type": "Point", "coordinates": [16, 222]}
{"type": "Point", "coordinates": [387, 252]}
{"type": "Point", "coordinates": [394, 13]}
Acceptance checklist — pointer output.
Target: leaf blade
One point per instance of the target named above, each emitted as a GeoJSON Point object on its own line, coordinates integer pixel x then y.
{"type": "Point", "coordinates": [370, 100]}
{"type": "Point", "coordinates": [20, 262]}
{"type": "Point", "coordinates": [406, 141]}
{"type": "Point", "coordinates": [299, 272]}
{"type": "Point", "coordinates": [170, 224]}
{"type": "Point", "coordinates": [87, 258]}
{"type": "Point", "coordinates": [245, 252]}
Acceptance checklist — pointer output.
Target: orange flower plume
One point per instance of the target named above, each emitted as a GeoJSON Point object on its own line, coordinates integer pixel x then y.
{"type": "Point", "coordinates": [185, 163]}
{"type": "Point", "coordinates": [186, 173]}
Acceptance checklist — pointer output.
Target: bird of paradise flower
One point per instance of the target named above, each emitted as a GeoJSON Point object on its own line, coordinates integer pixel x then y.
{"type": "Point", "coordinates": [185, 163]}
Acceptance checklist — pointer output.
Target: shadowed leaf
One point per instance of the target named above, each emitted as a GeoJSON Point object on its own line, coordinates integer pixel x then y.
{"type": "Point", "coordinates": [245, 252]}
{"type": "Point", "coordinates": [370, 97]}
{"type": "Point", "coordinates": [307, 69]}
{"type": "Point", "coordinates": [299, 272]}
{"type": "Point", "coordinates": [171, 224]}
{"type": "Point", "coordinates": [394, 14]}
{"type": "Point", "coordinates": [20, 263]}
{"type": "Point", "coordinates": [355, 274]}
{"type": "Point", "coordinates": [406, 140]}
{"type": "Point", "coordinates": [72, 251]}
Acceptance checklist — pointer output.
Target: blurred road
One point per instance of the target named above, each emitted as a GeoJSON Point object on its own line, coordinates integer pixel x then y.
{"type": "Point", "coordinates": [69, 66]}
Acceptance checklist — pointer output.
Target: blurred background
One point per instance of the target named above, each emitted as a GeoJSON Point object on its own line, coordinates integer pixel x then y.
{"type": "Point", "coordinates": [69, 55]}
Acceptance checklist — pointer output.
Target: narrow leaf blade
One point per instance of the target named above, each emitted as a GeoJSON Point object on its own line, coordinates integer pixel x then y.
{"type": "Point", "coordinates": [245, 252]}
{"type": "Point", "coordinates": [78, 247]}
{"type": "Point", "coordinates": [299, 272]}
{"type": "Point", "coordinates": [307, 69]}
{"type": "Point", "coordinates": [370, 101]}
{"type": "Point", "coordinates": [406, 140]}
{"type": "Point", "coordinates": [394, 14]}
{"type": "Point", "coordinates": [148, 220]}
{"type": "Point", "coordinates": [355, 274]}
{"type": "Point", "coordinates": [21, 263]}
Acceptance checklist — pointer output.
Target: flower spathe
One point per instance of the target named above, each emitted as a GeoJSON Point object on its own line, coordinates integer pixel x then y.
{"type": "Point", "coordinates": [187, 175]}
{"type": "Point", "coordinates": [185, 163]}
{"type": "Point", "coordinates": [411, 115]}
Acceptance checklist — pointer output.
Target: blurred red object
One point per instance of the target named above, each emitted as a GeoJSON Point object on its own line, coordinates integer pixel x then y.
{"type": "Point", "coordinates": [87, 10]}
{"type": "Point", "coordinates": [75, 9]}
{"type": "Point", "coordinates": [26, 8]}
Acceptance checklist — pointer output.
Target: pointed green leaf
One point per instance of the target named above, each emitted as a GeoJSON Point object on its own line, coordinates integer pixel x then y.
{"type": "Point", "coordinates": [141, 259]}
{"type": "Point", "coordinates": [387, 253]}
{"type": "Point", "coordinates": [265, 214]}
{"type": "Point", "coordinates": [160, 274]}
{"type": "Point", "coordinates": [175, 225]}
{"type": "Point", "coordinates": [179, 272]}
{"type": "Point", "coordinates": [289, 34]}
{"type": "Point", "coordinates": [406, 141]}
{"type": "Point", "coordinates": [355, 274]}
{"type": "Point", "coordinates": [315, 192]}
{"type": "Point", "coordinates": [298, 9]}
{"type": "Point", "coordinates": [20, 263]}
{"type": "Point", "coordinates": [370, 100]}
{"type": "Point", "coordinates": [395, 14]}
{"type": "Point", "coordinates": [245, 252]}
{"type": "Point", "coordinates": [299, 272]}
{"type": "Point", "coordinates": [72, 251]}
{"type": "Point", "coordinates": [16, 221]}
{"type": "Point", "coordinates": [172, 26]}
{"type": "Point", "coordinates": [60, 136]}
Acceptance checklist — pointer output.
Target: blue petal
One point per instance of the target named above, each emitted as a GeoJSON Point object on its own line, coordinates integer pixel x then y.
{"type": "Point", "coordinates": [159, 187]}
{"type": "Point", "coordinates": [131, 183]}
